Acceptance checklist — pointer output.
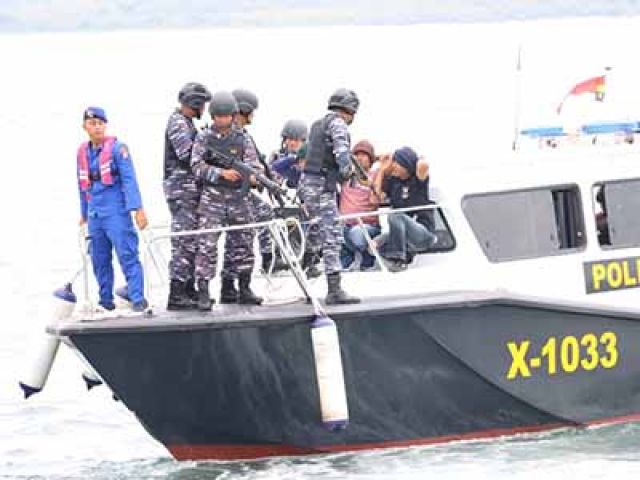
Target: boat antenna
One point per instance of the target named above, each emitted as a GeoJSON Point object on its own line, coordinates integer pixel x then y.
{"type": "Point", "coordinates": [518, 98]}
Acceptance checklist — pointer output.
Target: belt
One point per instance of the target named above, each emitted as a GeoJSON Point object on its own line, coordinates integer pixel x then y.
{"type": "Point", "coordinates": [95, 176]}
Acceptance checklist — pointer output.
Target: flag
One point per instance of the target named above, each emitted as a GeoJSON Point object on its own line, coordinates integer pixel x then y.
{"type": "Point", "coordinates": [593, 85]}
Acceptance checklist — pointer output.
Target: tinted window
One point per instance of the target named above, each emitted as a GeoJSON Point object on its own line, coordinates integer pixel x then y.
{"type": "Point", "coordinates": [527, 223]}
{"type": "Point", "coordinates": [616, 208]}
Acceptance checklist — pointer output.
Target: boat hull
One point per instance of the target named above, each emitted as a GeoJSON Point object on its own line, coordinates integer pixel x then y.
{"type": "Point", "coordinates": [415, 372]}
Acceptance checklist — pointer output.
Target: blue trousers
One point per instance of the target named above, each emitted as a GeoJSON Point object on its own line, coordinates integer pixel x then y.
{"type": "Point", "coordinates": [356, 241]}
{"type": "Point", "coordinates": [406, 235]}
{"type": "Point", "coordinates": [109, 233]}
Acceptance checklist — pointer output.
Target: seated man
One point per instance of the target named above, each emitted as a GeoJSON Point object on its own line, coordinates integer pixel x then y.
{"type": "Point", "coordinates": [358, 198]}
{"type": "Point", "coordinates": [403, 179]}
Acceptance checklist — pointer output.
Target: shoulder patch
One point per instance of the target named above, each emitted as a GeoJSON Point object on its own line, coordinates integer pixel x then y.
{"type": "Point", "coordinates": [124, 152]}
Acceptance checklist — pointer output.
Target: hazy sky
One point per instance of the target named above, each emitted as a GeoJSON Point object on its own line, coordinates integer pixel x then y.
{"type": "Point", "coordinates": [47, 15]}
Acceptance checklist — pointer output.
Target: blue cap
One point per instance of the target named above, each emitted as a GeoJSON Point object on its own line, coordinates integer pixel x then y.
{"type": "Point", "coordinates": [407, 158]}
{"type": "Point", "coordinates": [95, 112]}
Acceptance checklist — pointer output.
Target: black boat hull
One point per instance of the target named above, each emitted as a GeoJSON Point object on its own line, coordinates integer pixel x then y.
{"type": "Point", "coordinates": [415, 373]}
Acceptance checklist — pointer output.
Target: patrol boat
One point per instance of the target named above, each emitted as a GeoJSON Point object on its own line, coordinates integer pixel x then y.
{"type": "Point", "coordinates": [525, 318]}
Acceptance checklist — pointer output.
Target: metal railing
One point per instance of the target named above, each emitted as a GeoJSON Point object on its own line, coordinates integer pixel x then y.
{"type": "Point", "coordinates": [278, 228]}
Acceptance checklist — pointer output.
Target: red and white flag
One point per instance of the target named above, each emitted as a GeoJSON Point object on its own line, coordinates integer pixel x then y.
{"type": "Point", "coordinates": [595, 85]}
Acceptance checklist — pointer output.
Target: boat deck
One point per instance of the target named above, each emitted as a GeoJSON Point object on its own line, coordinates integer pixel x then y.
{"type": "Point", "coordinates": [230, 315]}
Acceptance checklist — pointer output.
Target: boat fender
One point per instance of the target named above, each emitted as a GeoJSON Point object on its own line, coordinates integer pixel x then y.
{"type": "Point", "coordinates": [35, 380]}
{"type": "Point", "coordinates": [330, 377]}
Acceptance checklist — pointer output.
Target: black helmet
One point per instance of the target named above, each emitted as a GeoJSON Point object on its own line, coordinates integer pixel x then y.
{"type": "Point", "coordinates": [344, 99]}
{"type": "Point", "coordinates": [247, 101]}
{"type": "Point", "coordinates": [223, 103]}
{"type": "Point", "coordinates": [194, 95]}
{"type": "Point", "coordinates": [295, 129]}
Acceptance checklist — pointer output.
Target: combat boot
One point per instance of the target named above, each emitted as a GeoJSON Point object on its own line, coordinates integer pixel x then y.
{"type": "Point", "coordinates": [228, 292]}
{"type": "Point", "coordinates": [278, 266]}
{"type": "Point", "coordinates": [190, 290]}
{"type": "Point", "coordinates": [335, 294]}
{"type": "Point", "coordinates": [204, 299]}
{"type": "Point", "coordinates": [267, 259]}
{"type": "Point", "coordinates": [246, 295]}
{"type": "Point", "coordinates": [178, 298]}
{"type": "Point", "coordinates": [309, 261]}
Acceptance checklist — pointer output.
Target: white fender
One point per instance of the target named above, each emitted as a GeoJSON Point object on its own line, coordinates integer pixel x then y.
{"type": "Point", "coordinates": [329, 373]}
{"type": "Point", "coordinates": [45, 353]}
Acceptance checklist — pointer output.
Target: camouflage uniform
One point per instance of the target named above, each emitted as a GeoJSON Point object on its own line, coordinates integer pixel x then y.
{"type": "Point", "coordinates": [182, 192]}
{"type": "Point", "coordinates": [221, 205]}
{"type": "Point", "coordinates": [261, 210]}
{"type": "Point", "coordinates": [318, 192]}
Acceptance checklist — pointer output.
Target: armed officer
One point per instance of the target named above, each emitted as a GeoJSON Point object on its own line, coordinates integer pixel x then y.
{"type": "Point", "coordinates": [247, 103]}
{"type": "Point", "coordinates": [329, 163]}
{"type": "Point", "coordinates": [225, 197]}
{"type": "Point", "coordinates": [182, 191]}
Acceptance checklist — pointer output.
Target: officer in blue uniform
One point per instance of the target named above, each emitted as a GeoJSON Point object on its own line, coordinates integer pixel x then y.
{"type": "Point", "coordinates": [108, 194]}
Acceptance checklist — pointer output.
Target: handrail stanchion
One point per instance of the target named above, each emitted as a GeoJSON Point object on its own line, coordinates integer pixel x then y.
{"type": "Point", "coordinates": [84, 241]}
{"type": "Point", "coordinates": [372, 246]}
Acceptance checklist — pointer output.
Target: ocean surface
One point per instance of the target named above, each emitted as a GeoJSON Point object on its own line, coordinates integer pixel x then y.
{"type": "Point", "coordinates": [453, 91]}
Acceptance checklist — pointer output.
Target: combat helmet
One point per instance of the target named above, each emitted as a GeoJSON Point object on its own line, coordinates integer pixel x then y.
{"type": "Point", "coordinates": [295, 129]}
{"type": "Point", "coordinates": [194, 95]}
{"type": "Point", "coordinates": [344, 99]}
{"type": "Point", "coordinates": [223, 103]}
{"type": "Point", "coordinates": [247, 100]}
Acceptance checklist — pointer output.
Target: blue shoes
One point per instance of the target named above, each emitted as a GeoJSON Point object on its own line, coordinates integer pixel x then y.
{"type": "Point", "coordinates": [140, 306]}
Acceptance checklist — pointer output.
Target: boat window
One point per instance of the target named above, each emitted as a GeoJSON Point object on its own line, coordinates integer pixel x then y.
{"type": "Point", "coordinates": [438, 224]}
{"type": "Point", "coordinates": [616, 206]}
{"type": "Point", "coordinates": [527, 223]}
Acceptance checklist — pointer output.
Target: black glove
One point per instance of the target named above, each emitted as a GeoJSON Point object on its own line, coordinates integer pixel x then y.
{"type": "Point", "coordinates": [346, 173]}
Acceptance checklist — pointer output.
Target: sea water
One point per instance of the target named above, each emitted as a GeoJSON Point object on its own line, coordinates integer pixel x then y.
{"type": "Point", "coordinates": [451, 91]}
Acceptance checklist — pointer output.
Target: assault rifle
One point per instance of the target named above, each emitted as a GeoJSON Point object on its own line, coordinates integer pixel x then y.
{"type": "Point", "coordinates": [359, 173]}
{"type": "Point", "coordinates": [225, 161]}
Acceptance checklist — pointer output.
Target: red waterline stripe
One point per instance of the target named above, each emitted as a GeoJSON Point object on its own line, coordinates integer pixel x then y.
{"type": "Point", "coordinates": [247, 452]}
{"type": "Point", "coordinates": [615, 420]}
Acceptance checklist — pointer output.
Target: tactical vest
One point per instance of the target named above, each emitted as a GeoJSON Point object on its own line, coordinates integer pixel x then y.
{"type": "Point", "coordinates": [320, 157]}
{"type": "Point", "coordinates": [232, 146]}
{"type": "Point", "coordinates": [106, 174]}
{"type": "Point", "coordinates": [171, 159]}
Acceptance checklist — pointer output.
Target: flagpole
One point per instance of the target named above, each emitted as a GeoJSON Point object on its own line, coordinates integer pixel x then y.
{"type": "Point", "coordinates": [518, 91]}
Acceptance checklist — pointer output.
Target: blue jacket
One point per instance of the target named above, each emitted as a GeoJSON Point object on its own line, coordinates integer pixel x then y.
{"type": "Point", "coordinates": [121, 197]}
{"type": "Point", "coordinates": [286, 165]}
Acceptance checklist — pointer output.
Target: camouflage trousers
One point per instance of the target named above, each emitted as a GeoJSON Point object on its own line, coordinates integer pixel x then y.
{"type": "Point", "coordinates": [183, 196]}
{"type": "Point", "coordinates": [221, 206]}
{"type": "Point", "coordinates": [262, 212]}
{"type": "Point", "coordinates": [326, 235]}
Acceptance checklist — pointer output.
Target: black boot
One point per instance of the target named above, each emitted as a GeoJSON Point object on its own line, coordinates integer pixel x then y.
{"type": "Point", "coordinates": [204, 299]}
{"type": "Point", "coordinates": [228, 292]}
{"type": "Point", "coordinates": [267, 259]}
{"type": "Point", "coordinates": [246, 295]}
{"type": "Point", "coordinates": [190, 289]}
{"type": "Point", "coordinates": [278, 266]}
{"type": "Point", "coordinates": [178, 298]}
{"type": "Point", "coordinates": [309, 262]}
{"type": "Point", "coordinates": [335, 294]}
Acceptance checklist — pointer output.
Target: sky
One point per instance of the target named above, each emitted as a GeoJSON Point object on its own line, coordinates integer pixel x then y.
{"type": "Point", "coordinates": [89, 15]}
